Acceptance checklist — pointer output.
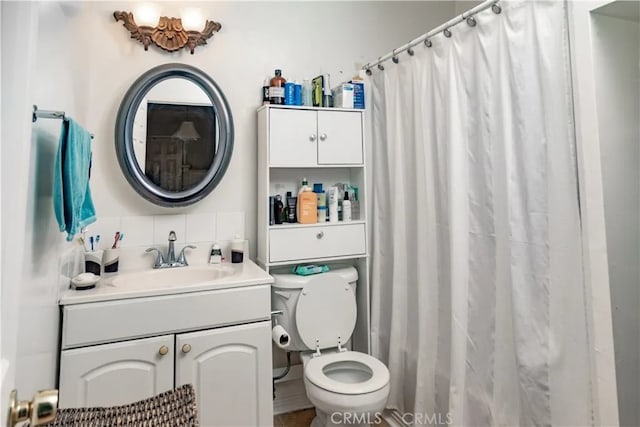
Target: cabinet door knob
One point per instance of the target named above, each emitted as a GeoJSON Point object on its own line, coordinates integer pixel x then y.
{"type": "Point", "coordinates": [323, 137]}
{"type": "Point", "coordinates": [163, 350]}
{"type": "Point", "coordinates": [186, 348]}
{"type": "Point", "coordinates": [312, 137]}
{"type": "Point", "coordinates": [320, 235]}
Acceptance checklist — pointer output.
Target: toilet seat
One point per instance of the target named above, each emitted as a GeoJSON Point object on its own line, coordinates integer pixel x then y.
{"type": "Point", "coordinates": [329, 371]}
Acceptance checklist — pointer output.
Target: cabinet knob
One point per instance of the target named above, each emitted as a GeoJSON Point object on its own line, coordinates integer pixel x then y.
{"type": "Point", "coordinates": [320, 235]}
{"type": "Point", "coordinates": [186, 348]}
{"type": "Point", "coordinates": [323, 136]}
{"type": "Point", "coordinates": [163, 350]}
{"type": "Point", "coordinates": [312, 137]}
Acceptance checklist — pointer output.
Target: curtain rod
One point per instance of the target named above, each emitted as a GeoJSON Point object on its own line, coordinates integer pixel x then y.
{"type": "Point", "coordinates": [444, 28]}
{"type": "Point", "coordinates": [48, 114]}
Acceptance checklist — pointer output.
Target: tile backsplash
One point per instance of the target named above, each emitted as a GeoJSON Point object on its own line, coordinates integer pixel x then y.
{"type": "Point", "coordinates": [141, 232]}
{"type": "Point", "coordinates": [154, 230]}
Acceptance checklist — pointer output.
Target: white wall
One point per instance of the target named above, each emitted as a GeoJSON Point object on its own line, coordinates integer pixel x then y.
{"type": "Point", "coordinates": [85, 63]}
{"type": "Point", "coordinates": [616, 44]}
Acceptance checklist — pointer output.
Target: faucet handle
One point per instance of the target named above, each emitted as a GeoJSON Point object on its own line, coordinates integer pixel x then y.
{"type": "Point", "coordinates": [159, 262]}
{"type": "Point", "coordinates": [172, 236]}
{"type": "Point", "coordinates": [181, 258]}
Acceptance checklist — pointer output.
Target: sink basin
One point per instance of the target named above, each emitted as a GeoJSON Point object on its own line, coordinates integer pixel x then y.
{"type": "Point", "coordinates": [173, 277]}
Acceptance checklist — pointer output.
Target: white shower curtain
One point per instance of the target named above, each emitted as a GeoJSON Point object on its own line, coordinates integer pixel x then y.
{"type": "Point", "coordinates": [478, 299]}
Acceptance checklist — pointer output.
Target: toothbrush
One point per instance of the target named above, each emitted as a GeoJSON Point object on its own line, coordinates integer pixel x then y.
{"type": "Point", "coordinates": [97, 241]}
{"type": "Point", "coordinates": [115, 240]}
{"type": "Point", "coordinates": [91, 242]}
{"type": "Point", "coordinates": [121, 236]}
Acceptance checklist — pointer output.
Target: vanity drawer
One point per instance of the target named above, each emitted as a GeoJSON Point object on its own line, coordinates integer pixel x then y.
{"type": "Point", "coordinates": [102, 322]}
{"type": "Point", "coordinates": [322, 241]}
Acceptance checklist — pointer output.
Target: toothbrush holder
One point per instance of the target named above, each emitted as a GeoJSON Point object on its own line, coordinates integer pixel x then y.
{"type": "Point", "coordinates": [93, 262]}
{"type": "Point", "coordinates": [110, 260]}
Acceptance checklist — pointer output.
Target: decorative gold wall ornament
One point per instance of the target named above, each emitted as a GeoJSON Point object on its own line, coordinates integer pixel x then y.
{"type": "Point", "coordinates": [169, 34]}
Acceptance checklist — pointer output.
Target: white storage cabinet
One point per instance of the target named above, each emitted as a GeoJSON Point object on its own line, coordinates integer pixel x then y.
{"type": "Point", "coordinates": [325, 145]}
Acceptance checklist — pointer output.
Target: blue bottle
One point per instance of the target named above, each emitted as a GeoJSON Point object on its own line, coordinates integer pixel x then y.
{"type": "Point", "coordinates": [289, 93]}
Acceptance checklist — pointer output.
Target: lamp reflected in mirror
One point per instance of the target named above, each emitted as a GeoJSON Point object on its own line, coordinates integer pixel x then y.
{"type": "Point", "coordinates": [186, 133]}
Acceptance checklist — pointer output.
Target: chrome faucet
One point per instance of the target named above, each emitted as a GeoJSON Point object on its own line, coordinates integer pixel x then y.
{"type": "Point", "coordinates": [171, 260]}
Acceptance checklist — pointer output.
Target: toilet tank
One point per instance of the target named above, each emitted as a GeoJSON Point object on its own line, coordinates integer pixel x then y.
{"type": "Point", "coordinates": [285, 291]}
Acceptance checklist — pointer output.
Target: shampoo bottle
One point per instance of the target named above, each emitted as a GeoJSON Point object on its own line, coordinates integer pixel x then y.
{"type": "Point", "coordinates": [290, 93]}
{"type": "Point", "coordinates": [321, 197]}
{"type": "Point", "coordinates": [278, 206]}
{"type": "Point", "coordinates": [291, 208]}
{"type": "Point", "coordinates": [265, 91]}
{"type": "Point", "coordinates": [332, 194]}
{"type": "Point", "coordinates": [308, 207]}
{"type": "Point", "coordinates": [346, 207]}
{"type": "Point", "coordinates": [276, 88]}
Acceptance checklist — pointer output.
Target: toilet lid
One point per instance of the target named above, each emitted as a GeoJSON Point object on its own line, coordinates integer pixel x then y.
{"type": "Point", "coordinates": [326, 311]}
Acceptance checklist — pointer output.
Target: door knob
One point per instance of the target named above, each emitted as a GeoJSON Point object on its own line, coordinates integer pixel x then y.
{"type": "Point", "coordinates": [41, 410]}
{"type": "Point", "coordinates": [163, 350]}
{"type": "Point", "coordinates": [186, 348]}
{"type": "Point", "coordinates": [323, 137]}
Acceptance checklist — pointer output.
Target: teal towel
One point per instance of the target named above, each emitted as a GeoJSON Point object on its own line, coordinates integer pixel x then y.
{"type": "Point", "coordinates": [72, 201]}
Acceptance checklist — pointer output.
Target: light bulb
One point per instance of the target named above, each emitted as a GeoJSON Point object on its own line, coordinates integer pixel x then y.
{"type": "Point", "coordinates": [147, 15]}
{"type": "Point", "coordinates": [192, 19]}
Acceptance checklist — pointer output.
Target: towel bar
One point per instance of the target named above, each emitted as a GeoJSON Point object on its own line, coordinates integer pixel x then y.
{"type": "Point", "coordinates": [48, 114]}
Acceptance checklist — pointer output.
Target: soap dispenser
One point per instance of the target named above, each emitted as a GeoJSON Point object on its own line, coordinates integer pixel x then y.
{"type": "Point", "coordinates": [237, 250]}
{"type": "Point", "coordinates": [216, 254]}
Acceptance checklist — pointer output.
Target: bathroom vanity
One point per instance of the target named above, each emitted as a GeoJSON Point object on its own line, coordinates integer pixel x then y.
{"type": "Point", "coordinates": [139, 334]}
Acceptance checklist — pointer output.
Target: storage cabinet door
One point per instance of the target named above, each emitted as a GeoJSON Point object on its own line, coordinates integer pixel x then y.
{"type": "Point", "coordinates": [116, 374]}
{"type": "Point", "coordinates": [230, 369]}
{"type": "Point", "coordinates": [292, 138]}
{"type": "Point", "coordinates": [340, 138]}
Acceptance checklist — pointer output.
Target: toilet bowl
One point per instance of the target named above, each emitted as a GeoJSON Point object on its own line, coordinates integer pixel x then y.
{"type": "Point", "coordinates": [319, 314]}
{"type": "Point", "coordinates": [347, 388]}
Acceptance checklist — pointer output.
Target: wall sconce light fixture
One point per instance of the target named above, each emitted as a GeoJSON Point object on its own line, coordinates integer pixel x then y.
{"type": "Point", "coordinates": [169, 34]}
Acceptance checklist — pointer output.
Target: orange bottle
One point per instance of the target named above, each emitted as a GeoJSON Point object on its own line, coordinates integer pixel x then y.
{"type": "Point", "coordinates": [308, 205]}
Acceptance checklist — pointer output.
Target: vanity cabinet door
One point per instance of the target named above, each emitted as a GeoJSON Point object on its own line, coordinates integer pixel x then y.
{"type": "Point", "coordinates": [340, 138]}
{"type": "Point", "coordinates": [293, 138]}
{"type": "Point", "coordinates": [230, 369]}
{"type": "Point", "coordinates": [116, 374]}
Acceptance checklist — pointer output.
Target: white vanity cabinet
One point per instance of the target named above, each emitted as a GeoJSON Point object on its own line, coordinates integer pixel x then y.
{"type": "Point", "coordinates": [324, 145]}
{"type": "Point", "coordinates": [227, 369]}
{"type": "Point", "coordinates": [116, 374]}
{"type": "Point", "coordinates": [122, 350]}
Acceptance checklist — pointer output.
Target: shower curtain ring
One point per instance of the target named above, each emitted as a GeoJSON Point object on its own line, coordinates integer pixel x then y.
{"type": "Point", "coordinates": [394, 57]}
{"type": "Point", "coordinates": [410, 51]}
{"type": "Point", "coordinates": [368, 70]}
{"type": "Point", "coordinates": [496, 8]}
{"type": "Point", "coordinates": [447, 33]}
{"type": "Point", "coordinates": [428, 43]}
{"type": "Point", "coordinates": [471, 21]}
{"type": "Point", "coordinates": [380, 66]}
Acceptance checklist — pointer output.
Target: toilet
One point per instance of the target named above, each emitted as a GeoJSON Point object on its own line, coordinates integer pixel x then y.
{"type": "Point", "coordinates": [319, 315]}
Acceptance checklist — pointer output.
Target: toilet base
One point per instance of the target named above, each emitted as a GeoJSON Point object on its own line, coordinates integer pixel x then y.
{"type": "Point", "coordinates": [338, 419]}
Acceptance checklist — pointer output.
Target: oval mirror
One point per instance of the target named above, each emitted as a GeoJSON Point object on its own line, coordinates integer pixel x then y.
{"type": "Point", "coordinates": [174, 135]}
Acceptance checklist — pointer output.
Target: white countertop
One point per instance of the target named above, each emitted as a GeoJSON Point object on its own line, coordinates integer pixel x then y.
{"type": "Point", "coordinates": [243, 274]}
